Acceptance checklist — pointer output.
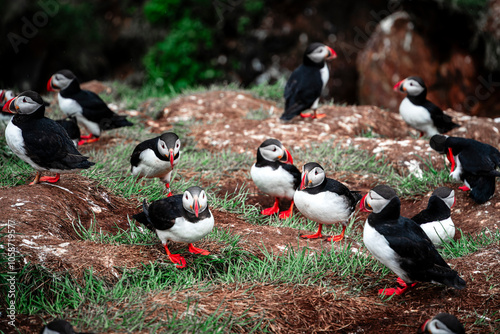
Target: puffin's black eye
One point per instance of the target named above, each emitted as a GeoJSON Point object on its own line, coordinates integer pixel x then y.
{"type": "Point", "coordinates": [187, 197]}
{"type": "Point", "coordinates": [24, 99]}
{"type": "Point", "coordinates": [411, 83]}
{"type": "Point", "coordinates": [274, 149]}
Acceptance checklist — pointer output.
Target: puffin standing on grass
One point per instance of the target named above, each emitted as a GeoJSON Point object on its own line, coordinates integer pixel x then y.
{"type": "Point", "coordinates": [435, 220]}
{"type": "Point", "coordinates": [324, 200]}
{"type": "Point", "coordinates": [420, 113]}
{"type": "Point", "coordinates": [275, 175]}
{"type": "Point", "coordinates": [442, 323]}
{"type": "Point", "coordinates": [156, 157]}
{"type": "Point", "coordinates": [303, 88]}
{"type": "Point", "coordinates": [40, 141]}
{"type": "Point", "coordinates": [473, 162]}
{"type": "Point", "coordinates": [401, 244]}
{"type": "Point", "coordinates": [180, 218]}
{"type": "Point", "coordinates": [89, 109]}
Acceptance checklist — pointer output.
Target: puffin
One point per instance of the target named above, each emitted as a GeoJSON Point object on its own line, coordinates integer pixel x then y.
{"type": "Point", "coordinates": [401, 244]}
{"type": "Point", "coordinates": [275, 175]}
{"type": "Point", "coordinates": [420, 113]}
{"type": "Point", "coordinates": [436, 220]}
{"type": "Point", "coordinates": [5, 95]}
{"type": "Point", "coordinates": [156, 157]}
{"type": "Point", "coordinates": [442, 323]}
{"type": "Point", "coordinates": [59, 326]}
{"type": "Point", "coordinates": [324, 200]}
{"type": "Point", "coordinates": [303, 88]}
{"type": "Point", "coordinates": [40, 141]}
{"type": "Point", "coordinates": [70, 124]}
{"type": "Point", "coordinates": [88, 108]}
{"type": "Point", "coordinates": [472, 162]}
{"type": "Point", "coordinates": [181, 218]}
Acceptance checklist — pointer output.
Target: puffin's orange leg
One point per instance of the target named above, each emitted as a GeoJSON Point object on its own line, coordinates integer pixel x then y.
{"type": "Point", "coordinates": [396, 291]}
{"type": "Point", "coordinates": [337, 237]}
{"type": "Point", "coordinates": [37, 178]}
{"type": "Point", "coordinates": [287, 213]}
{"type": "Point", "coordinates": [274, 209]}
{"type": "Point", "coordinates": [195, 250]}
{"type": "Point", "coordinates": [315, 235]}
{"type": "Point", "coordinates": [318, 116]}
{"type": "Point", "coordinates": [50, 179]}
{"type": "Point", "coordinates": [87, 139]}
{"type": "Point", "coordinates": [176, 258]}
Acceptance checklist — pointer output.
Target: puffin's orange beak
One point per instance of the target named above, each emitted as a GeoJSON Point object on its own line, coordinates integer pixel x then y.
{"type": "Point", "coordinates": [7, 106]}
{"type": "Point", "coordinates": [303, 182]}
{"type": "Point", "coordinates": [50, 88]}
{"type": "Point", "coordinates": [196, 208]}
{"type": "Point", "coordinates": [399, 86]}
{"type": "Point", "coordinates": [363, 206]}
{"type": "Point", "coordinates": [331, 54]}
{"type": "Point", "coordinates": [171, 158]}
{"type": "Point", "coordinates": [289, 158]}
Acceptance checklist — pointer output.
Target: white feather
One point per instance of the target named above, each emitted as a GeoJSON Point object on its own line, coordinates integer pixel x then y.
{"type": "Point", "coordinates": [150, 166]}
{"type": "Point", "coordinates": [71, 108]}
{"type": "Point", "coordinates": [417, 117]}
{"type": "Point", "coordinates": [439, 231]}
{"type": "Point", "coordinates": [324, 208]}
{"type": "Point", "coordinates": [276, 183]}
{"type": "Point", "coordinates": [378, 245]}
{"type": "Point", "coordinates": [185, 231]}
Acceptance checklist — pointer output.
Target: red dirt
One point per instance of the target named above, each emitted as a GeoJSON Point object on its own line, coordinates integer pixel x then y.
{"type": "Point", "coordinates": [43, 215]}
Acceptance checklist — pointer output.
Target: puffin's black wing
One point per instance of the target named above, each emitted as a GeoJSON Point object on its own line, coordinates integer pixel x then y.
{"type": "Point", "coordinates": [483, 187]}
{"type": "Point", "coordinates": [161, 214]}
{"type": "Point", "coordinates": [49, 146]}
{"type": "Point", "coordinates": [479, 160]}
{"type": "Point", "coordinates": [442, 121]}
{"type": "Point", "coordinates": [335, 186]}
{"type": "Point", "coordinates": [294, 172]}
{"type": "Point", "coordinates": [302, 89]}
{"type": "Point", "coordinates": [71, 126]}
{"type": "Point", "coordinates": [96, 110]}
{"type": "Point", "coordinates": [135, 157]}
{"type": "Point", "coordinates": [436, 210]}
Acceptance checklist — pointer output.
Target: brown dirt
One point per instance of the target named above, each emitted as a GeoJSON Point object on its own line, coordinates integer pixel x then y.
{"type": "Point", "coordinates": [44, 216]}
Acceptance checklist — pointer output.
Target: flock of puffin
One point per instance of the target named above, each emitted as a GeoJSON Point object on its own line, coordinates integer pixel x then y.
{"type": "Point", "coordinates": [406, 246]}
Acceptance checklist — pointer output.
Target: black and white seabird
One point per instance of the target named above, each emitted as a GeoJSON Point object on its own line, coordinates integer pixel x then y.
{"type": "Point", "coordinates": [442, 323]}
{"type": "Point", "coordinates": [324, 200]}
{"type": "Point", "coordinates": [401, 244]}
{"type": "Point", "coordinates": [420, 113]}
{"type": "Point", "coordinates": [274, 174]}
{"type": "Point", "coordinates": [156, 157]}
{"type": "Point", "coordinates": [70, 124]}
{"type": "Point", "coordinates": [40, 141]}
{"type": "Point", "coordinates": [181, 218]}
{"type": "Point", "coordinates": [436, 220]}
{"type": "Point", "coordinates": [59, 327]}
{"type": "Point", "coordinates": [88, 108]}
{"type": "Point", "coordinates": [303, 88]}
{"type": "Point", "coordinates": [472, 162]}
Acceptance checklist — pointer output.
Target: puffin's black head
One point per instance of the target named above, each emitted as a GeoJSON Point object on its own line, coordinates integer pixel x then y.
{"type": "Point", "coordinates": [58, 326]}
{"type": "Point", "coordinates": [25, 103]}
{"type": "Point", "coordinates": [438, 143]}
{"type": "Point", "coordinates": [169, 145]}
{"type": "Point", "coordinates": [312, 175]}
{"type": "Point", "coordinates": [317, 53]}
{"type": "Point", "coordinates": [442, 323]}
{"type": "Point", "coordinates": [446, 194]}
{"type": "Point", "coordinates": [377, 199]}
{"type": "Point", "coordinates": [60, 80]}
{"type": "Point", "coordinates": [272, 150]}
{"type": "Point", "coordinates": [413, 86]}
{"type": "Point", "coordinates": [195, 200]}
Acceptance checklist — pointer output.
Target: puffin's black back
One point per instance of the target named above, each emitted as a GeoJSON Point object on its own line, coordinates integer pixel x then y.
{"type": "Point", "coordinates": [71, 126]}
{"type": "Point", "coordinates": [436, 210]}
{"type": "Point", "coordinates": [147, 144]}
{"type": "Point", "coordinates": [335, 186]}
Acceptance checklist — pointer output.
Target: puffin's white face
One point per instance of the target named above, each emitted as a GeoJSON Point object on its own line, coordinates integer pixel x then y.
{"type": "Point", "coordinates": [313, 178]}
{"type": "Point", "coordinates": [8, 94]}
{"type": "Point", "coordinates": [375, 202]}
{"type": "Point", "coordinates": [412, 87]}
{"type": "Point", "coordinates": [195, 202]}
{"type": "Point", "coordinates": [59, 81]}
{"type": "Point", "coordinates": [450, 200]}
{"type": "Point", "coordinates": [272, 152]}
{"type": "Point", "coordinates": [165, 150]}
{"type": "Point", "coordinates": [25, 105]}
{"type": "Point", "coordinates": [320, 54]}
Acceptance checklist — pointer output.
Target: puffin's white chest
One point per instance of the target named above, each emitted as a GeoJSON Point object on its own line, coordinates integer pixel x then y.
{"type": "Point", "coordinates": [417, 117]}
{"type": "Point", "coordinates": [184, 231]}
{"type": "Point", "coordinates": [69, 106]}
{"type": "Point", "coordinates": [150, 166]}
{"type": "Point", "coordinates": [457, 173]}
{"type": "Point", "coordinates": [276, 183]}
{"type": "Point", "coordinates": [324, 208]}
{"type": "Point", "coordinates": [325, 75]}
{"type": "Point", "coordinates": [378, 245]}
{"type": "Point", "coordinates": [15, 140]}
{"type": "Point", "coordinates": [439, 231]}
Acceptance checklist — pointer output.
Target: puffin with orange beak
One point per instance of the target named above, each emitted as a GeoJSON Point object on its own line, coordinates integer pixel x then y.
{"type": "Point", "coordinates": [324, 200]}
{"type": "Point", "coordinates": [274, 174]}
{"type": "Point", "coordinates": [88, 108]}
{"type": "Point", "coordinates": [5, 96]}
{"type": "Point", "coordinates": [402, 245]}
{"type": "Point", "coordinates": [180, 218]}
{"type": "Point", "coordinates": [420, 113]}
{"type": "Point", "coordinates": [40, 141]}
{"type": "Point", "coordinates": [303, 88]}
{"type": "Point", "coordinates": [156, 157]}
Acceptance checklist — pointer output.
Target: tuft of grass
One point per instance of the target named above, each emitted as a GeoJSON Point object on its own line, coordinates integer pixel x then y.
{"type": "Point", "coordinates": [468, 244]}
{"type": "Point", "coordinates": [273, 92]}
